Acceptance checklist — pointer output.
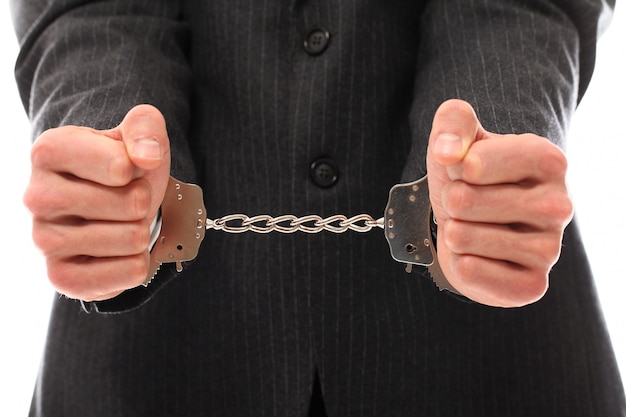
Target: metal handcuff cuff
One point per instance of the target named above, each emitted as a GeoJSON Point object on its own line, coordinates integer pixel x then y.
{"type": "Point", "coordinates": [407, 225]}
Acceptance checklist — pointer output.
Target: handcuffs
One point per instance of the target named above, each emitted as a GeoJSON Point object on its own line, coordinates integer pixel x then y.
{"type": "Point", "coordinates": [408, 226]}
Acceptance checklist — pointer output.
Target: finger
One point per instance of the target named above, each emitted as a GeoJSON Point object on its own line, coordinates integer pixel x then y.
{"type": "Point", "coordinates": [94, 239]}
{"type": "Point", "coordinates": [496, 283]}
{"type": "Point", "coordinates": [84, 153]}
{"type": "Point", "coordinates": [455, 127]}
{"type": "Point", "coordinates": [527, 248]}
{"type": "Point", "coordinates": [544, 206]}
{"type": "Point", "coordinates": [59, 196]}
{"type": "Point", "coordinates": [88, 278]}
{"type": "Point", "coordinates": [510, 159]}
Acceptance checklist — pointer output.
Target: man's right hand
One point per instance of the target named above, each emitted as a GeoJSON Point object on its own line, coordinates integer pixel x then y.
{"type": "Point", "coordinates": [93, 196]}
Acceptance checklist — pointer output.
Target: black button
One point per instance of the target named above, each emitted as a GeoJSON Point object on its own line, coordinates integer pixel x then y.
{"type": "Point", "coordinates": [317, 41]}
{"type": "Point", "coordinates": [324, 173]}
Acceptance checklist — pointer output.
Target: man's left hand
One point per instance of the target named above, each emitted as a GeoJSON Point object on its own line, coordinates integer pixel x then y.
{"type": "Point", "coordinates": [501, 204]}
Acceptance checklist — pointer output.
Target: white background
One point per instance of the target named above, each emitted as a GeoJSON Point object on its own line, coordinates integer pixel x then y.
{"type": "Point", "coordinates": [596, 149]}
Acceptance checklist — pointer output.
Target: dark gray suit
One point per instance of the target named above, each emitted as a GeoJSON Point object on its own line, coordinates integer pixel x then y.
{"type": "Point", "coordinates": [245, 329]}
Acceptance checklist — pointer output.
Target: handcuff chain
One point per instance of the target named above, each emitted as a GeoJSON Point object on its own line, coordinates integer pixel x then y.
{"type": "Point", "coordinates": [240, 223]}
{"type": "Point", "coordinates": [406, 223]}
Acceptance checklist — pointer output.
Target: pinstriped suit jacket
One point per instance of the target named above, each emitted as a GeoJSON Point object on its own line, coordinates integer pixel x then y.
{"type": "Point", "coordinates": [246, 327]}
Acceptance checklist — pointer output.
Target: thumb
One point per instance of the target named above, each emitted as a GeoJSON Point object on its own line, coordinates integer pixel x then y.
{"type": "Point", "coordinates": [144, 134]}
{"type": "Point", "coordinates": [455, 127]}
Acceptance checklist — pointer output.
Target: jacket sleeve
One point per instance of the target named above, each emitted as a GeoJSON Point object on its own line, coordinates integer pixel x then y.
{"type": "Point", "coordinates": [523, 64]}
{"type": "Point", "coordinates": [86, 62]}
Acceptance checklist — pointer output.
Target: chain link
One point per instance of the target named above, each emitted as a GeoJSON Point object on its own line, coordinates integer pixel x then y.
{"type": "Point", "coordinates": [240, 223]}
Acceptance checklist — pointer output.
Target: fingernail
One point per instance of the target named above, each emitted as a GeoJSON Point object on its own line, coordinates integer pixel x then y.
{"type": "Point", "coordinates": [147, 149]}
{"type": "Point", "coordinates": [448, 144]}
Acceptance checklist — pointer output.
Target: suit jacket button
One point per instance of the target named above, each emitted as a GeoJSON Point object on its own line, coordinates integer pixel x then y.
{"type": "Point", "coordinates": [324, 173]}
{"type": "Point", "coordinates": [317, 41]}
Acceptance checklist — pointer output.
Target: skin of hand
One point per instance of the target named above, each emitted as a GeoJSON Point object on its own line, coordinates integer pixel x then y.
{"type": "Point", "coordinates": [501, 204]}
{"type": "Point", "coordinates": [93, 195]}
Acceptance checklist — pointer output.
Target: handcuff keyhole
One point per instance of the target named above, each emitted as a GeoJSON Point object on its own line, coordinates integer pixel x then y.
{"type": "Point", "coordinates": [179, 247]}
{"type": "Point", "coordinates": [410, 248]}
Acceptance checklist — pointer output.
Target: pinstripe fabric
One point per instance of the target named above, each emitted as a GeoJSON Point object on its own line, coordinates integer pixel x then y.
{"type": "Point", "coordinates": [246, 327]}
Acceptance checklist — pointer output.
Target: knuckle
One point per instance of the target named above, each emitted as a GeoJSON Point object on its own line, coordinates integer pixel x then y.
{"type": "Point", "coordinates": [532, 289]}
{"type": "Point", "coordinates": [466, 267]}
{"type": "Point", "coordinates": [138, 238]}
{"type": "Point", "coordinates": [557, 209]}
{"type": "Point", "coordinates": [48, 241]}
{"type": "Point", "coordinates": [42, 200]}
{"type": "Point", "coordinates": [41, 150]}
{"type": "Point", "coordinates": [33, 201]}
{"type": "Point", "coordinates": [120, 169]}
{"type": "Point", "coordinates": [549, 251]}
{"type": "Point", "coordinates": [553, 163]}
{"type": "Point", "coordinates": [137, 269]}
{"type": "Point", "coordinates": [455, 236]}
{"type": "Point", "coordinates": [139, 200]}
{"type": "Point", "coordinates": [471, 169]}
{"type": "Point", "coordinates": [46, 146]}
{"type": "Point", "coordinates": [459, 198]}
{"type": "Point", "coordinates": [565, 208]}
{"type": "Point", "coordinates": [65, 279]}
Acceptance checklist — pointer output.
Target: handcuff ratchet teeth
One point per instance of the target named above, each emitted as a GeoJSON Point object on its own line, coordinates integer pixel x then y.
{"type": "Point", "coordinates": [183, 226]}
{"type": "Point", "coordinates": [408, 221]}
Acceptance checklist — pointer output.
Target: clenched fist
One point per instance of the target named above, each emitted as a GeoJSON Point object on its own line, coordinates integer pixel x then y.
{"type": "Point", "coordinates": [501, 204]}
{"type": "Point", "coordinates": [93, 196]}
